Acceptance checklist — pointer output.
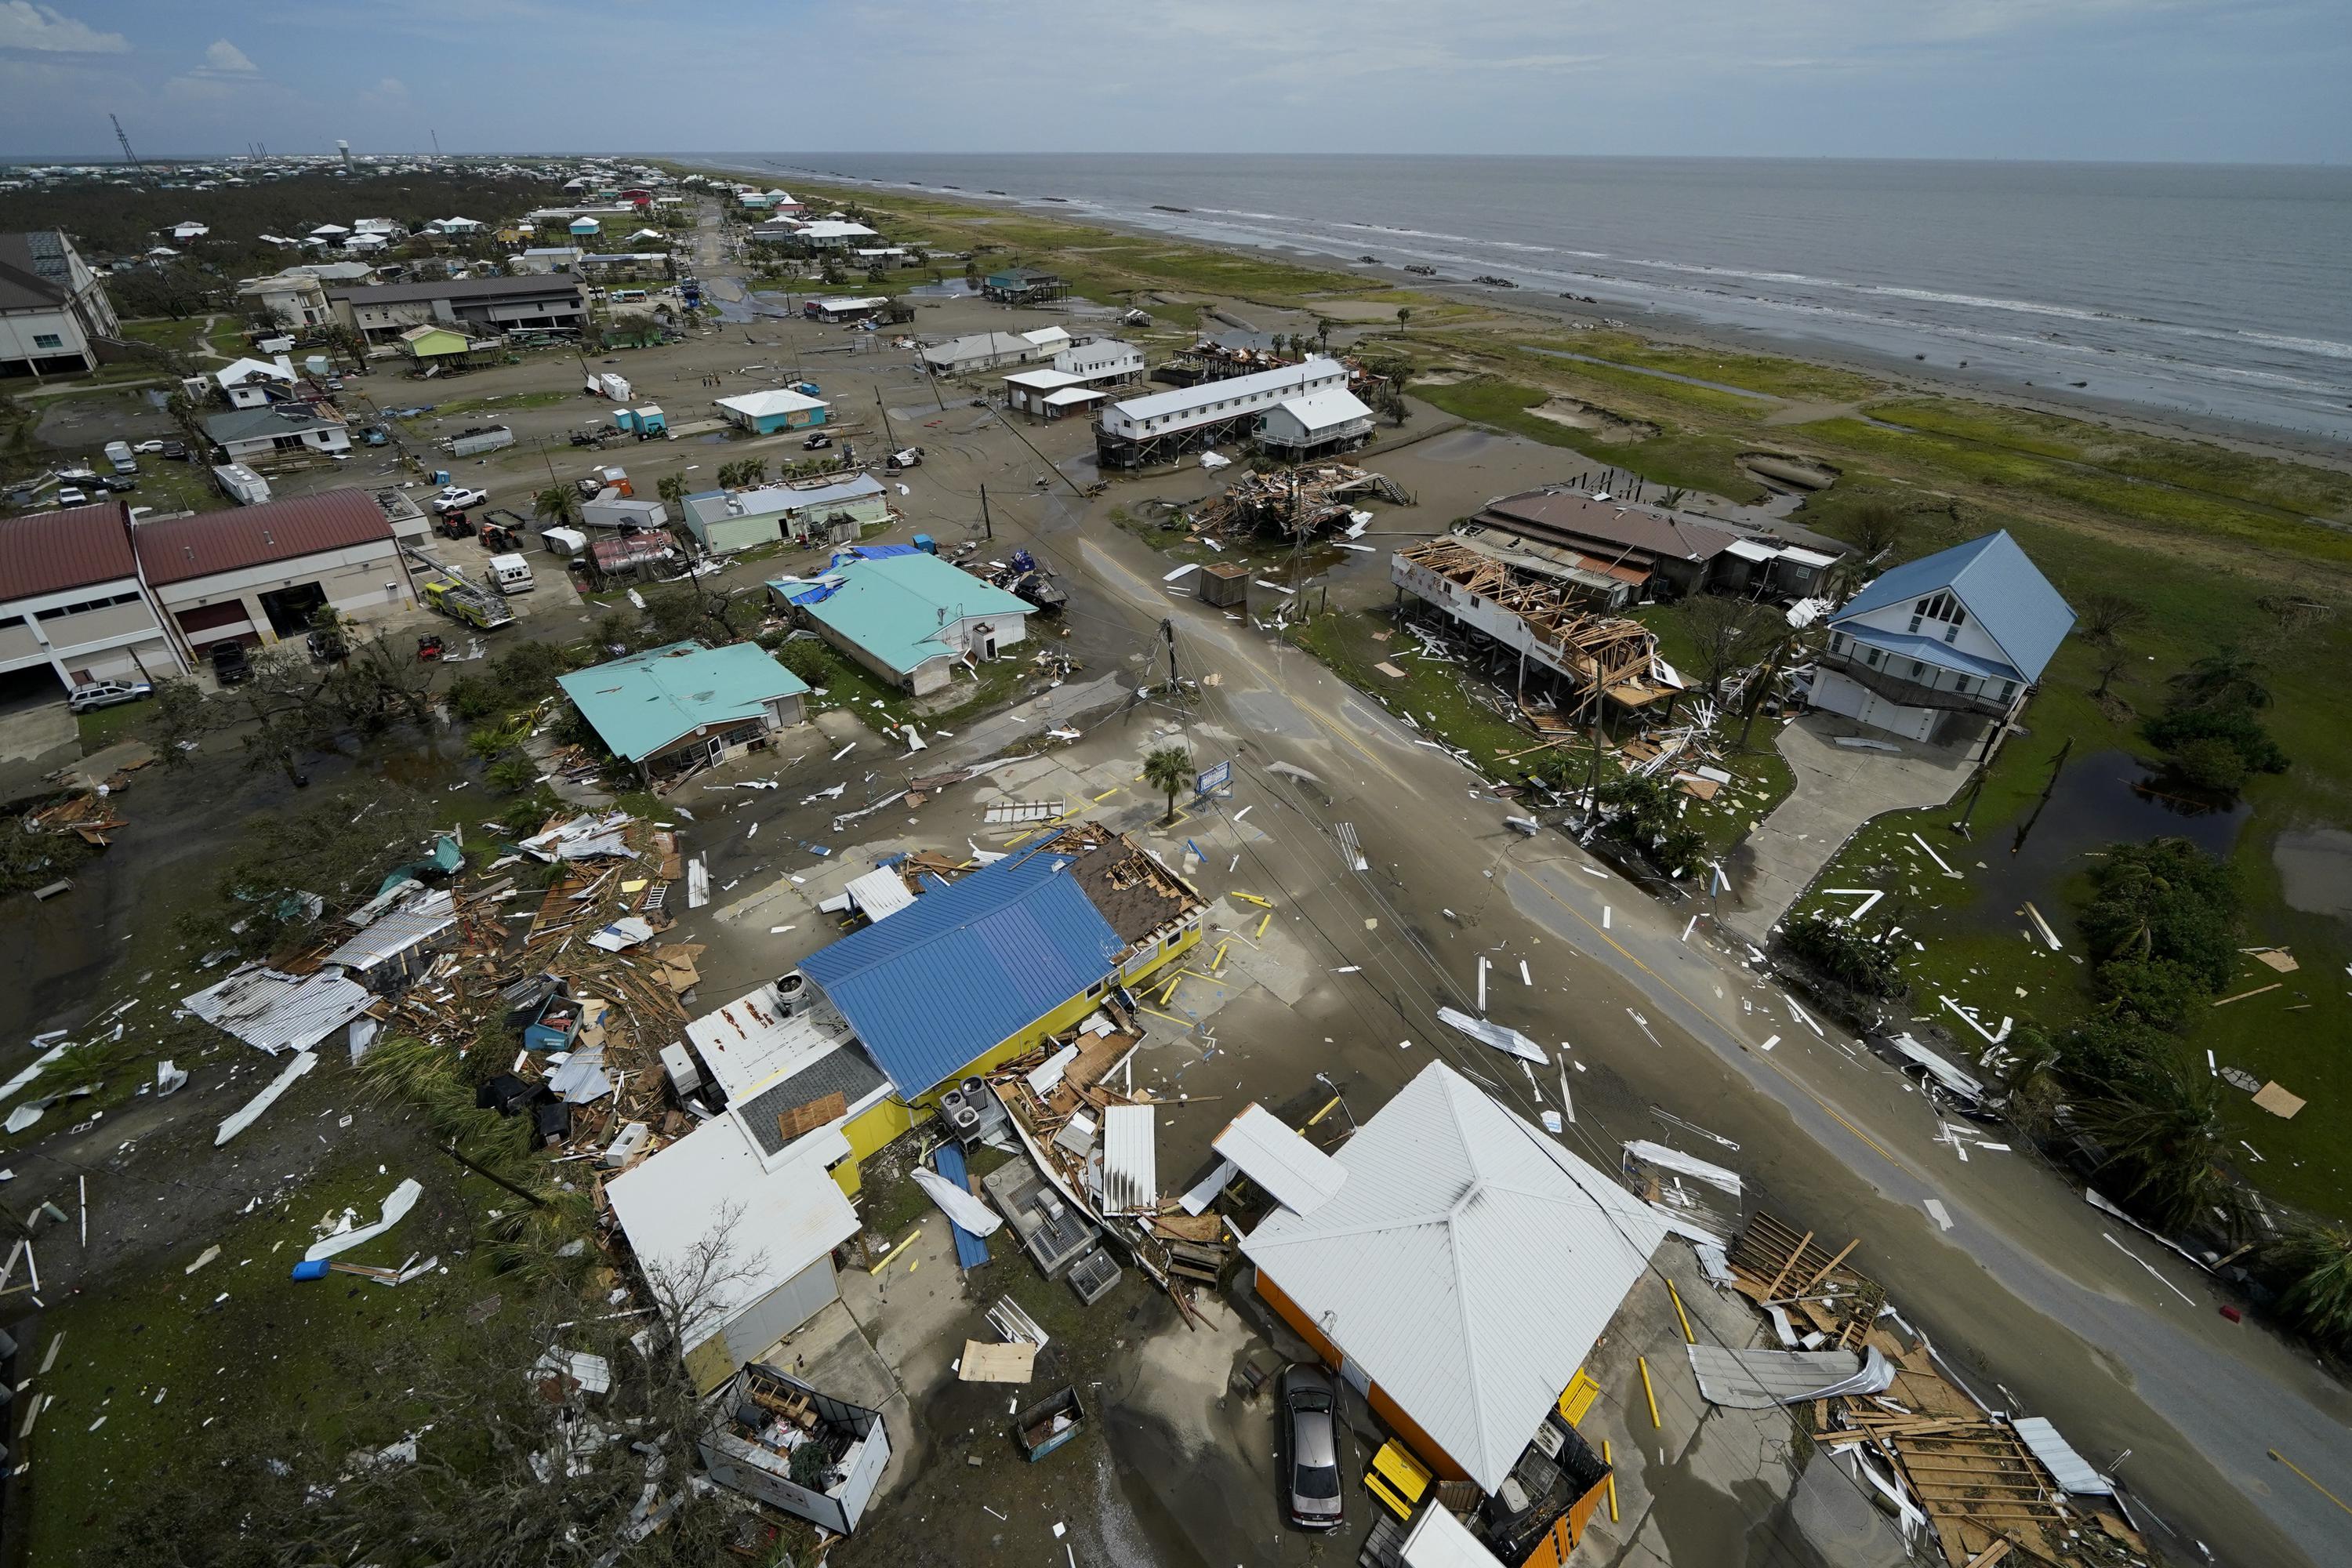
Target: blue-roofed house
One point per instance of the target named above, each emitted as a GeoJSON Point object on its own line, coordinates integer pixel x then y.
{"type": "Point", "coordinates": [683, 706]}
{"type": "Point", "coordinates": [978, 970]}
{"type": "Point", "coordinates": [907, 615]}
{"type": "Point", "coordinates": [1941, 643]}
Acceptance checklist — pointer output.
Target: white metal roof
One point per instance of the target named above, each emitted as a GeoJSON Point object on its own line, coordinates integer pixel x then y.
{"type": "Point", "coordinates": [275, 1011]}
{"type": "Point", "coordinates": [1070, 395]}
{"type": "Point", "coordinates": [398, 931]}
{"type": "Point", "coordinates": [2068, 1469]}
{"type": "Point", "coordinates": [783, 1219]}
{"type": "Point", "coordinates": [1438, 1540]}
{"type": "Point", "coordinates": [880, 893]}
{"type": "Point", "coordinates": [1049, 337]}
{"type": "Point", "coordinates": [1468, 1266]}
{"type": "Point", "coordinates": [1323, 409]}
{"type": "Point", "coordinates": [1184, 399]}
{"type": "Point", "coordinates": [1807, 557]}
{"type": "Point", "coordinates": [1749, 550]}
{"type": "Point", "coordinates": [1130, 1161]}
{"type": "Point", "coordinates": [749, 1042]}
{"type": "Point", "coordinates": [1301, 1177]}
{"type": "Point", "coordinates": [1045, 380]}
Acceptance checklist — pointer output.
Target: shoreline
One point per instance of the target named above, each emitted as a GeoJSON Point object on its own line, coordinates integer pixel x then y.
{"type": "Point", "coordinates": [1679, 328]}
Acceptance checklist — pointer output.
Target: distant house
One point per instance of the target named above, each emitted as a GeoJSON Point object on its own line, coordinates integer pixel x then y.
{"type": "Point", "coordinates": [1074, 382]}
{"type": "Point", "coordinates": [983, 350]}
{"type": "Point", "coordinates": [428, 344]}
{"type": "Point", "coordinates": [54, 312]}
{"type": "Point", "coordinates": [1101, 362]}
{"type": "Point", "coordinates": [825, 512]}
{"type": "Point", "coordinates": [1161, 425]}
{"type": "Point", "coordinates": [585, 228]}
{"type": "Point", "coordinates": [1943, 642]}
{"type": "Point", "coordinates": [834, 234]}
{"type": "Point", "coordinates": [1022, 286]}
{"type": "Point", "coordinates": [457, 226]}
{"type": "Point", "coordinates": [540, 261]}
{"type": "Point", "coordinates": [185, 231]}
{"type": "Point", "coordinates": [685, 706]}
{"type": "Point", "coordinates": [846, 308]}
{"type": "Point", "coordinates": [252, 436]}
{"type": "Point", "coordinates": [1316, 424]}
{"type": "Point", "coordinates": [476, 305]}
{"type": "Point", "coordinates": [907, 615]}
{"type": "Point", "coordinates": [765, 413]}
{"type": "Point", "coordinates": [295, 297]}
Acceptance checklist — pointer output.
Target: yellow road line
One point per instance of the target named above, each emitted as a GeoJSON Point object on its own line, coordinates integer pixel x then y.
{"type": "Point", "coordinates": [1676, 991]}
{"type": "Point", "coordinates": [2315, 1485]}
{"type": "Point", "coordinates": [1170, 1016]}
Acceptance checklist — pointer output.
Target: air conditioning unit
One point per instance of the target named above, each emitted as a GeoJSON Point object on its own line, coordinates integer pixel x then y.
{"type": "Point", "coordinates": [795, 994]}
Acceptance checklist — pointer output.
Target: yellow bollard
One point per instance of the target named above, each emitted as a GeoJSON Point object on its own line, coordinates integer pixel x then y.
{"type": "Point", "coordinates": [1649, 1393]}
{"type": "Point", "coordinates": [1265, 920]}
{"type": "Point", "coordinates": [1605, 1458]}
{"type": "Point", "coordinates": [1688, 1338]}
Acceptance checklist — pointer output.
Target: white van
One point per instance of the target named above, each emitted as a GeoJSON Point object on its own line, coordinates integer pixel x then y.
{"type": "Point", "coordinates": [511, 574]}
{"type": "Point", "coordinates": [119, 453]}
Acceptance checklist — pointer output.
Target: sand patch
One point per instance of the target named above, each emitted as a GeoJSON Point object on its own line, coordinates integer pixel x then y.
{"type": "Point", "coordinates": [1614, 429]}
{"type": "Point", "coordinates": [1445, 376]}
{"type": "Point", "coordinates": [1811, 412]}
{"type": "Point", "coordinates": [1781, 469]}
{"type": "Point", "coordinates": [1355, 310]}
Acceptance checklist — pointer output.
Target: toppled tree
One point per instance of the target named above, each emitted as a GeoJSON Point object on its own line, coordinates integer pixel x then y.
{"type": "Point", "coordinates": [2162, 926]}
{"type": "Point", "coordinates": [1643, 811]}
{"type": "Point", "coordinates": [1842, 952]}
{"type": "Point", "coordinates": [294, 867]}
{"type": "Point", "coordinates": [2210, 732]}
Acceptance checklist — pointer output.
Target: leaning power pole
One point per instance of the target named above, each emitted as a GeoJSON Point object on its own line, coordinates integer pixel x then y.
{"type": "Point", "coordinates": [122, 136]}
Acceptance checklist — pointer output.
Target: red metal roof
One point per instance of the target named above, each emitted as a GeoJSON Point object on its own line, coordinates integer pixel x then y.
{"type": "Point", "coordinates": [53, 550]}
{"type": "Point", "coordinates": [212, 542]}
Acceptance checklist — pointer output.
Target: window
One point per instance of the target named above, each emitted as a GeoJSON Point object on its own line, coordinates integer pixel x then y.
{"type": "Point", "coordinates": [87, 606]}
{"type": "Point", "coordinates": [1872, 658]}
{"type": "Point", "coordinates": [2006, 687]}
{"type": "Point", "coordinates": [1919, 671]}
{"type": "Point", "coordinates": [48, 341]}
{"type": "Point", "coordinates": [1943, 609]}
{"type": "Point", "coordinates": [1837, 642]}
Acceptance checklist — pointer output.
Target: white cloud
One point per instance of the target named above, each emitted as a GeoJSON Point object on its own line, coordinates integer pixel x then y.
{"type": "Point", "coordinates": [224, 55]}
{"type": "Point", "coordinates": [24, 26]}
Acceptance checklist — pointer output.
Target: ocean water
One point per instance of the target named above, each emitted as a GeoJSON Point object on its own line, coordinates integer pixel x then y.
{"type": "Point", "coordinates": [2214, 291]}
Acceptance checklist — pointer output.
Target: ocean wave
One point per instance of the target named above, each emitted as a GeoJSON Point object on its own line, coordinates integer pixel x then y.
{"type": "Point", "coordinates": [2327, 347]}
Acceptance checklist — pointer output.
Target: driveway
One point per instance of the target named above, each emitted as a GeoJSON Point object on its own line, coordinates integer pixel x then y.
{"type": "Point", "coordinates": [1838, 789]}
{"type": "Point", "coordinates": [35, 741]}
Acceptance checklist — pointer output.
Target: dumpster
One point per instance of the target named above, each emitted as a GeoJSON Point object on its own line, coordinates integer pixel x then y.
{"type": "Point", "coordinates": [1048, 1424]}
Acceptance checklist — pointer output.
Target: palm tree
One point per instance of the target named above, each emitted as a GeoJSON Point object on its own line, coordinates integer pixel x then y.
{"type": "Point", "coordinates": [1169, 769]}
{"type": "Point", "coordinates": [1673, 497]}
{"type": "Point", "coordinates": [557, 503]}
{"type": "Point", "coordinates": [2164, 1136]}
{"type": "Point", "coordinates": [2319, 1259]}
{"type": "Point", "coordinates": [2224, 679]}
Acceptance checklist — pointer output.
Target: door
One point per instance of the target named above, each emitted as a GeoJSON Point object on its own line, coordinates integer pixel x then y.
{"type": "Point", "coordinates": [715, 750]}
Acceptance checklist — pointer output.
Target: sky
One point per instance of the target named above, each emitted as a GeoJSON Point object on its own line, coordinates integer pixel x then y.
{"type": "Point", "coordinates": [2191, 80]}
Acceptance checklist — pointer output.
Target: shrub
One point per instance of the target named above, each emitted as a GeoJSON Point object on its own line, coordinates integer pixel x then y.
{"type": "Point", "coordinates": [1844, 953]}
{"type": "Point", "coordinates": [808, 658]}
{"type": "Point", "coordinates": [2317, 1262]}
{"type": "Point", "coordinates": [2164, 899]}
{"type": "Point", "coordinates": [474, 697]}
{"type": "Point", "coordinates": [2165, 1141]}
{"type": "Point", "coordinates": [2181, 726]}
{"type": "Point", "coordinates": [2156, 990]}
{"type": "Point", "coordinates": [1646, 814]}
{"type": "Point", "coordinates": [2100, 1055]}
{"type": "Point", "coordinates": [2208, 765]}
{"type": "Point", "coordinates": [513, 772]}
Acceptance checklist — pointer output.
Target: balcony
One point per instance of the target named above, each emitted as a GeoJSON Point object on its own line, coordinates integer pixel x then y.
{"type": "Point", "coordinates": [1979, 698]}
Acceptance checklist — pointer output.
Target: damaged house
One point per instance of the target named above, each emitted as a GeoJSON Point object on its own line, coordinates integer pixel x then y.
{"type": "Point", "coordinates": [1615, 553]}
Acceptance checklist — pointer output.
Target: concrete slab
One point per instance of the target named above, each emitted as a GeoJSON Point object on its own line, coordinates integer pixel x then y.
{"type": "Point", "coordinates": [1837, 790]}
{"type": "Point", "coordinates": [36, 742]}
{"type": "Point", "coordinates": [831, 1354]}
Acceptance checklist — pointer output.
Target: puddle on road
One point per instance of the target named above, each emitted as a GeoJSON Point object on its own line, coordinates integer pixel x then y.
{"type": "Point", "coordinates": [2105, 798]}
{"type": "Point", "coordinates": [2315, 868]}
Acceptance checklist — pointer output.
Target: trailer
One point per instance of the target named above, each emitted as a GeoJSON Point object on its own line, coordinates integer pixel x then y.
{"type": "Point", "coordinates": [474, 443]}
{"type": "Point", "coordinates": [241, 484]}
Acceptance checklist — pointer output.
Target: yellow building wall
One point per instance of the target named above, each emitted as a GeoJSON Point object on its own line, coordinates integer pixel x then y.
{"type": "Point", "coordinates": [869, 1130]}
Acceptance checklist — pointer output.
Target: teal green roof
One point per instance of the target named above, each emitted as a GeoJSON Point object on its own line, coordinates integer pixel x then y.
{"type": "Point", "coordinates": [892, 607]}
{"type": "Point", "coordinates": [644, 702]}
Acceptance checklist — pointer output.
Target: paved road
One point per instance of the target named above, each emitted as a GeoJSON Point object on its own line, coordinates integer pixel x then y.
{"type": "Point", "coordinates": [2050, 1307]}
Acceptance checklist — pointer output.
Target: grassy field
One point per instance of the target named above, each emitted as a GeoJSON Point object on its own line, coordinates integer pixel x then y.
{"type": "Point", "coordinates": [317, 1366]}
{"type": "Point", "coordinates": [1673, 457]}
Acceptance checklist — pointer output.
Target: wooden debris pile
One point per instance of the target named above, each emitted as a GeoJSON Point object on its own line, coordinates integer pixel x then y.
{"type": "Point", "coordinates": [1928, 1444]}
{"type": "Point", "coordinates": [90, 812]}
{"type": "Point", "coordinates": [1603, 655]}
{"type": "Point", "coordinates": [1294, 502]}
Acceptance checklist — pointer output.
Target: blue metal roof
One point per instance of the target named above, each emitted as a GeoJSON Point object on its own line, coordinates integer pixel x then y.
{"type": "Point", "coordinates": [967, 966]}
{"type": "Point", "coordinates": [1998, 584]}
{"type": "Point", "coordinates": [1930, 650]}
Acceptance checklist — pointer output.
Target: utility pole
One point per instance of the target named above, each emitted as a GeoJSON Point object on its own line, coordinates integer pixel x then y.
{"type": "Point", "coordinates": [986, 523]}
{"type": "Point", "coordinates": [122, 136]}
{"type": "Point", "coordinates": [888, 434]}
{"type": "Point", "coordinates": [2048, 789]}
{"type": "Point", "coordinates": [1167, 631]}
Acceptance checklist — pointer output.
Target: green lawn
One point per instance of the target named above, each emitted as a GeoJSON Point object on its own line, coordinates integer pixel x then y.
{"type": "Point", "coordinates": [185, 336]}
{"type": "Point", "coordinates": [319, 1366]}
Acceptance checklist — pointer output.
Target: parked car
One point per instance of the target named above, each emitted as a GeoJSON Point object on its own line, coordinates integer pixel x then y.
{"type": "Point", "coordinates": [148, 446]}
{"type": "Point", "coordinates": [230, 664]}
{"type": "Point", "coordinates": [68, 496]}
{"type": "Point", "coordinates": [95, 694]}
{"type": "Point", "coordinates": [1312, 1488]}
{"type": "Point", "coordinates": [817, 442]}
{"type": "Point", "coordinates": [118, 482]}
{"type": "Point", "coordinates": [457, 497]}
{"type": "Point", "coordinates": [178, 449]}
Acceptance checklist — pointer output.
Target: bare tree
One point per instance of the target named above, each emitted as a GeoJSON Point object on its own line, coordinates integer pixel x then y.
{"type": "Point", "coordinates": [1876, 527]}
{"type": "Point", "coordinates": [2108, 617]}
{"type": "Point", "coordinates": [1726, 634]}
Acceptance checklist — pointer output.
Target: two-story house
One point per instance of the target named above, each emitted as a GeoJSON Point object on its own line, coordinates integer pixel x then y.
{"type": "Point", "coordinates": [53, 307]}
{"type": "Point", "coordinates": [1956, 636]}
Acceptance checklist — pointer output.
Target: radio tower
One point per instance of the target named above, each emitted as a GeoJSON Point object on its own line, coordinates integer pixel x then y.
{"type": "Point", "coordinates": [120, 135]}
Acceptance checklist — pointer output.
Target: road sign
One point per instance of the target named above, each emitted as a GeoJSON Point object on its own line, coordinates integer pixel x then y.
{"type": "Point", "coordinates": [1213, 779]}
